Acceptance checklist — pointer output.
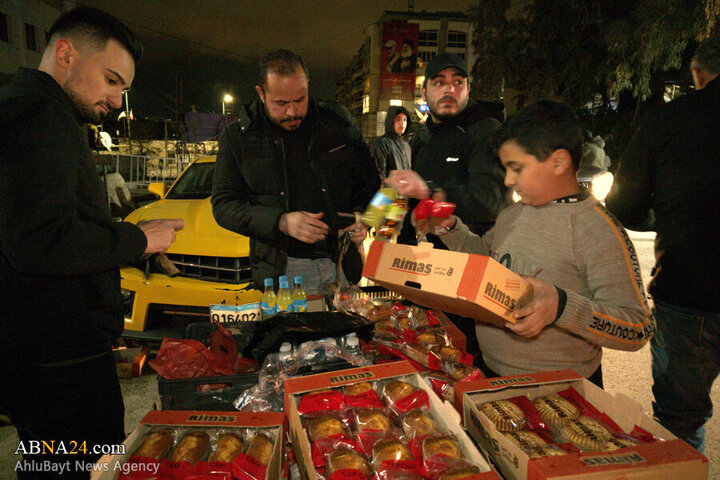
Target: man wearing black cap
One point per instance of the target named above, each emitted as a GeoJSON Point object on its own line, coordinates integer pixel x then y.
{"type": "Point", "coordinates": [453, 155]}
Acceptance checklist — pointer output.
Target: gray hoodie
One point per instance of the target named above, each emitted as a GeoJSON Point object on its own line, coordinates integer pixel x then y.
{"type": "Point", "coordinates": [392, 151]}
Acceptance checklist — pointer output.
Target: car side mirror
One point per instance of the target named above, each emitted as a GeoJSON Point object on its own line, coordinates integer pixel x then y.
{"type": "Point", "coordinates": [158, 188]}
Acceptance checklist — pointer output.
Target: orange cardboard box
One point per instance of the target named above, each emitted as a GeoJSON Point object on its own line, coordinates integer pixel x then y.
{"type": "Point", "coordinates": [443, 413]}
{"type": "Point", "coordinates": [473, 286]}
{"type": "Point", "coordinates": [111, 465]}
{"type": "Point", "coordinates": [669, 459]}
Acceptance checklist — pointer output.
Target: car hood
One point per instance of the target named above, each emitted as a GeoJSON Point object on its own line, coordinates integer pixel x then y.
{"type": "Point", "coordinates": [201, 235]}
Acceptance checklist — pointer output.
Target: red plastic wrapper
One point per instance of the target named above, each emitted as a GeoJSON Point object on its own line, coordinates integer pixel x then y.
{"type": "Point", "coordinates": [178, 358]}
{"type": "Point", "coordinates": [432, 319]}
{"type": "Point", "coordinates": [413, 401]}
{"type": "Point", "coordinates": [390, 454]}
{"type": "Point", "coordinates": [347, 474]}
{"type": "Point", "coordinates": [322, 401]}
{"type": "Point", "coordinates": [362, 395]}
{"type": "Point", "coordinates": [532, 417]}
{"type": "Point", "coordinates": [246, 467]}
{"type": "Point", "coordinates": [211, 471]}
{"type": "Point", "coordinates": [174, 470]}
{"type": "Point", "coordinates": [323, 447]}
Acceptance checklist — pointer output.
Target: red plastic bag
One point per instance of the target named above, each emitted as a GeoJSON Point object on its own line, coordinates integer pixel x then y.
{"type": "Point", "coordinates": [178, 358]}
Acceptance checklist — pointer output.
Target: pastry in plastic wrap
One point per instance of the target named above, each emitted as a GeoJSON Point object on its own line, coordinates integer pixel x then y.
{"type": "Point", "coordinates": [390, 449]}
{"type": "Point", "coordinates": [428, 339]}
{"type": "Point", "coordinates": [156, 445]}
{"type": "Point", "coordinates": [460, 371]}
{"type": "Point", "coordinates": [227, 448]}
{"type": "Point", "coordinates": [260, 448]}
{"type": "Point", "coordinates": [372, 419]}
{"type": "Point", "coordinates": [506, 416]}
{"type": "Point", "coordinates": [441, 445]}
{"type": "Point", "coordinates": [555, 410]}
{"type": "Point", "coordinates": [418, 423]}
{"type": "Point", "coordinates": [325, 426]}
{"type": "Point", "coordinates": [587, 434]}
{"type": "Point", "coordinates": [191, 448]}
{"type": "Point", "coordinates": [532, 444]}
{"type": "Point", "coordinates": [357, 388]}
{"type": "Point", "coordinates": [396, 390]}
{"type": "Point", "coordinates": [618, 443]}
{"type": "Point", "coordinates": [346, 459]}
{"type": "Point", "coordinates": [449, 354]}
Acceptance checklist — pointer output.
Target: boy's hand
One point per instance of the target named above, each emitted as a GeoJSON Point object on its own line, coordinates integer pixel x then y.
{"type": "Point", "coordinates": [408, 183]}
{"type": "Point", "coordinates": [539, 313]}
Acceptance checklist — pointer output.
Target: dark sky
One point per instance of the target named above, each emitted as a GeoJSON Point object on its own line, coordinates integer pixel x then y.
{"type": "Point", "coordinates": [201, 49]}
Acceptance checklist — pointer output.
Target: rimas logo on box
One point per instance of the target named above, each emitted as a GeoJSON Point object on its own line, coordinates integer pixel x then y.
{"type": "Point", "coordinates": [411, 266]}
{"type": "Point", "coordinates": [494, 293]}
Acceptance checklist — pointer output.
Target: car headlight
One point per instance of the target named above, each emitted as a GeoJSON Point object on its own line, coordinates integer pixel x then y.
{"type": "Point", "coordinates": [601, 185]}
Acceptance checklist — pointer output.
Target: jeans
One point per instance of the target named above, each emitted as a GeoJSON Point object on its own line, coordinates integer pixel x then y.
{"type": "Point", "coordinates": [80, 405]}
{"type": "Point", "coordinates": [315, 272]}
{"type": "Point", "coordinates": [685, 362]}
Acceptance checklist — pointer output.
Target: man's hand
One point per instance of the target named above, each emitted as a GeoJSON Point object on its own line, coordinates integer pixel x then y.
{"type": "Point", "coordinates": [304, 226]}
{"type": "Point", "coordinates": [408, 183]}
{"type": "Point", "coordinates": [359, 232]}
{"type": "Point", "coordinates": [539, 313]}
{"type": "Point", "coordinates": [160, 233]}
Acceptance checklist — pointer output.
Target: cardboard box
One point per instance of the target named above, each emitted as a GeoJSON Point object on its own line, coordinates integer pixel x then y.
{"type": "Point", "coordinates": [129, 362]}
{"type": "Point", "coordinates": [473, 286]}
{"type": "Point", "coordinates": [671, 459]}
{"type": "Point", "coordinates": [443, 413]}
{"type": "Point", "coordinates": [110, 466]}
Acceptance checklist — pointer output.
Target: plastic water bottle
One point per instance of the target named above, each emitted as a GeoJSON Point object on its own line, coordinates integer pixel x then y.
{"type": "Point", "coordinates": [352, 344]}
{"type": "Point", "coordinates": [299, 298]}
{"type": "Point", "coordinates": [284, 300]}
{"type": "Point", "coordinates": [269, 300]}
{"type": "Point", "coordinates": [285, 354]}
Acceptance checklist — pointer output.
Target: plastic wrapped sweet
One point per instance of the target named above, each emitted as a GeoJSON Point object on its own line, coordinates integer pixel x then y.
{"type": "Point", "coordinates": [227, 447]}
{"type": "Point", "coordinates": [346, 459]}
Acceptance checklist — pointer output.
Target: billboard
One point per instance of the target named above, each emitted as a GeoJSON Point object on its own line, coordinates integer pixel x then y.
{"type": "Point", "coordinates": [398, 60]}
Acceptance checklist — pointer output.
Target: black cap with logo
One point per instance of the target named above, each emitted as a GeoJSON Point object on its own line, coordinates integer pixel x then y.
{"type": "Point", "coordinates": [441, 62]}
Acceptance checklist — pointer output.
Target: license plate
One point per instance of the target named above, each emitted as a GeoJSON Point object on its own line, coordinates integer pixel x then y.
{"type": "Point", "coordinates": [236, 313]}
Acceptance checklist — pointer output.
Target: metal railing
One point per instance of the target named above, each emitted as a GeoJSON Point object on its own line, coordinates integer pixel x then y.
{"type": "Point", "coordinates": [141, 170]}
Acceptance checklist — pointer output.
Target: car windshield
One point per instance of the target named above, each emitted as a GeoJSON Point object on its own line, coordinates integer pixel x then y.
{"type": "Point", "coordinates": [196, 182]}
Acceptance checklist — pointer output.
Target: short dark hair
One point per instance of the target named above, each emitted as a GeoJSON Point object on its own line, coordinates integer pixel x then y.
{"type": "Point", "coordinates": [282, 62]}
{"type": "Point", "coordinates": [96, 27]}
{"type": "Point", "coordinates": [542, 128]}
{"type": "Point", "coordinates": [707, 56]}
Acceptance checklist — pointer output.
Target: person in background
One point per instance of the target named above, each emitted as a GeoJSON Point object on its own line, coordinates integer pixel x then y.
{"type": "Point", "coordinates": [392, 150]}
{"type": "Point", "coordinates": [669, 181]}
{"type": "Point", "coordinates": [453, 154]}
{"type": "Point", "coordinates": [60, 252]}
{"type": "Point", "coordinates": [285, 169]}
{"type": "Point", "coordinates": [587, 288]}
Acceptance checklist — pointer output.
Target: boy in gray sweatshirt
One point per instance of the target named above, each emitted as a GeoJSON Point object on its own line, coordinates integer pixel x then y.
{"type": "Point", "coordinates": [588, 292]}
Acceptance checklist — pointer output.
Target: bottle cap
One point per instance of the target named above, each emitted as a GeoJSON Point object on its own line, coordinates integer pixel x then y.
{"type": "Point", "coordinates": [268, 282]}
{"type": "Point", "coordinates": [283, 283]}
{"type": "Point", "coordinates": [282, 277]}
{"type": "Point", "coordinates": [352, 341]}
{"type": "Point", "coordinates": [285, 347]}
{"type": "Point", "coordinates": [298, 280]}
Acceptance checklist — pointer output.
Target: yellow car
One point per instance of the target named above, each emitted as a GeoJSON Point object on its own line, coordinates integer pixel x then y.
{"type": "Point", "coordinates": [213, 262]}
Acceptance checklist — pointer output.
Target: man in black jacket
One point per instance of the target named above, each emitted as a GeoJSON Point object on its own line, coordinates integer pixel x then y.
{"type": "Point", "coordinates": [672, 170]}
{"type": "Point", "coordinates": [285, 171]}
{"type": "Point", "coordinates": [392, 150]}
{"type": "Point", "coordinates": [454, 152]}
{"type": "Point", "coordinates": [61, 306]}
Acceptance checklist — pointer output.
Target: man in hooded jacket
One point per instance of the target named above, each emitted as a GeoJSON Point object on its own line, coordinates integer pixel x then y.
{"type": "Point", "coordinates": [392, 150]}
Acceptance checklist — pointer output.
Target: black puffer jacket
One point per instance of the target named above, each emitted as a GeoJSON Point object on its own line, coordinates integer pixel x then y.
{"type": "Point", "coordinates": [59, 248]}
{"type": "Point", "coordinates": [392, 151]}
{"type": "Point", "coordinates": [250, 184]}
{"type": "Point", "coordinates": [456, 156]}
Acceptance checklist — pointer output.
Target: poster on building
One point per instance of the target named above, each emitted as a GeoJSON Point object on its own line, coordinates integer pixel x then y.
{"type": "Point", "coordinates": [398, 61]}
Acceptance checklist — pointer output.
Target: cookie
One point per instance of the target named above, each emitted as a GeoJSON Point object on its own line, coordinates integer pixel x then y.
{"type": "Point", "coordinates": [506, 416]}
{"type": "Point", "coordinates": [555, 410]}
{"type": "Point", "coordinates": [587, 434]}
{"type": "Point", "coordinates": [618, 443]}
{"type": "Point", "coordinates": [526, 440]}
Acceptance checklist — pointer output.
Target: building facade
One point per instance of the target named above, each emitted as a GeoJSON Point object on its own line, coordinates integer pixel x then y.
{"type": "Point", "coordinates": [371, 83]}
{"type": "Point", "coordinates": [24, 27]}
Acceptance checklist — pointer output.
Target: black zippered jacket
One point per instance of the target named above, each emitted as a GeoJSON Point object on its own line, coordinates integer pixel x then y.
{"type": "Point", "coordinates": [672, 169]}
{"type": "Point", "coordinates": [250, 183]}
{"type": "Point", "coordinates": [60, 252]}
{"type": "Point", "coordinates": [456, 156]}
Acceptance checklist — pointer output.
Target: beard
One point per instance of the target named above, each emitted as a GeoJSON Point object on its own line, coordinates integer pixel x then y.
{"type": "Point", "coordinates": [446, 116]}
{"type": "Point", "coordinates": [87, 111]}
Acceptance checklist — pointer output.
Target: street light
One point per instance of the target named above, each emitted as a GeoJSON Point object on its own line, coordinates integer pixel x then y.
{"type": "Point", "coordinates": [226, 99]}
{"type": "Point", "coordinates": [127, 119]}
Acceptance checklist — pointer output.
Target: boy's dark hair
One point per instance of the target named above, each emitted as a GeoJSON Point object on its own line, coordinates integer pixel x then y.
{"type": "Point", "coordinates": [96, 28]}
{"type": "Point", "coordinates": [707, 56]}
{"type": "Point", "coordinates": [542, 128]}
{"type": "Point", "coordinates": [282, 62]}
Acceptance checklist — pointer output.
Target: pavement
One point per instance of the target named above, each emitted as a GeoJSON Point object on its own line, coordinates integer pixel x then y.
{"type": "Point", "coordinates": [626, 373]}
